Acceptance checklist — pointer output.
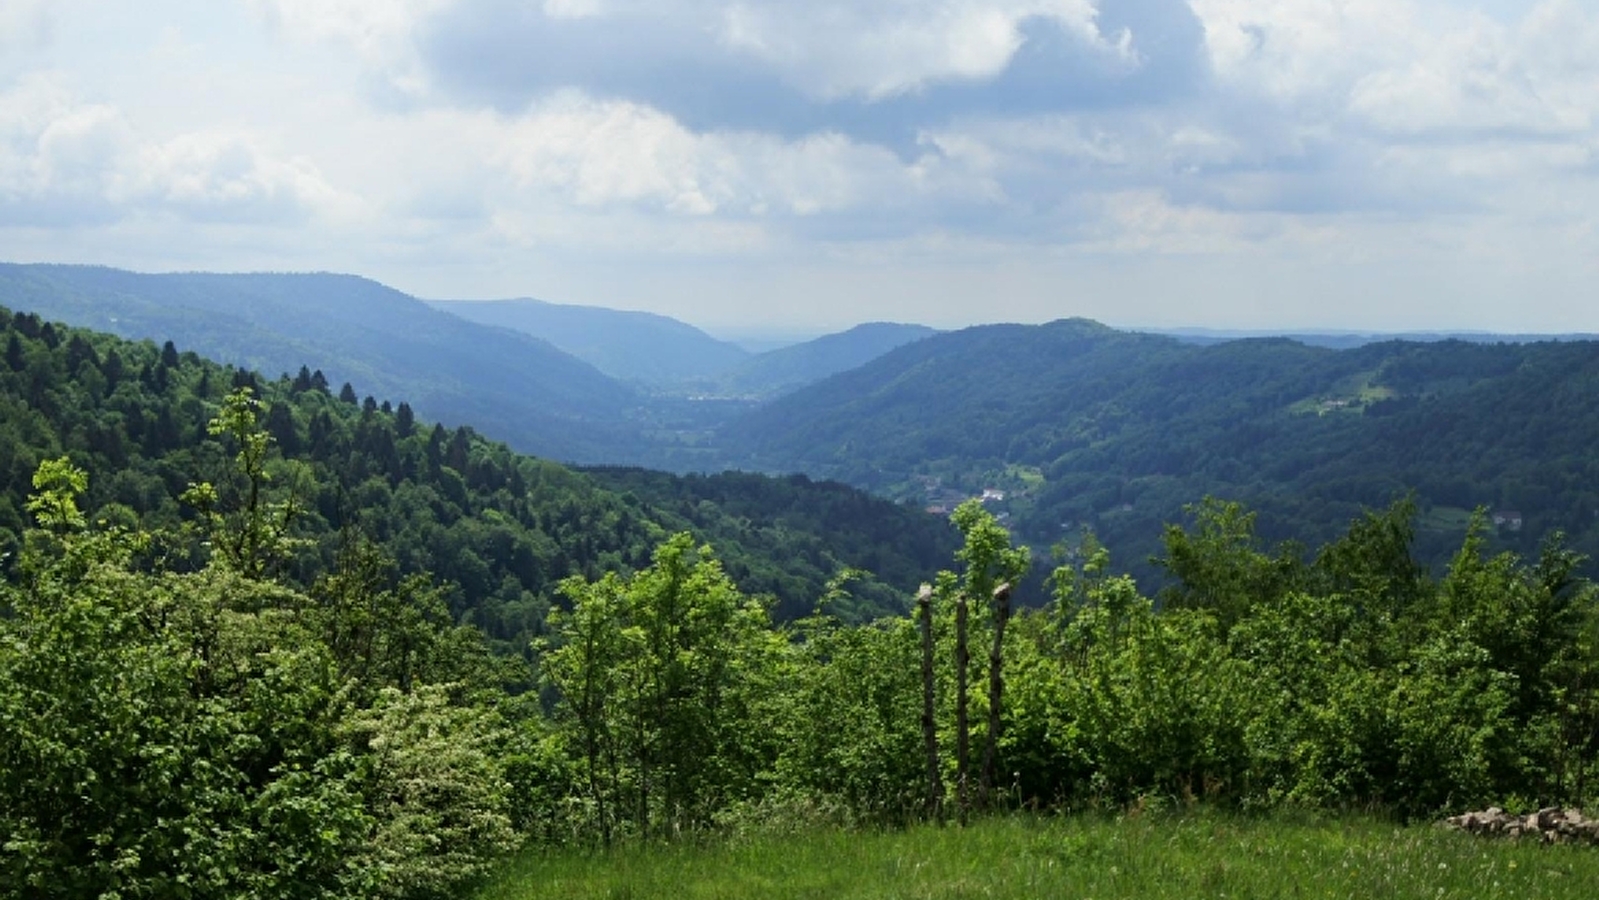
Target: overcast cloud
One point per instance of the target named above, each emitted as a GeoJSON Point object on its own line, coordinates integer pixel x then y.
{"type": "Point", "coordinates": [1381, 164]}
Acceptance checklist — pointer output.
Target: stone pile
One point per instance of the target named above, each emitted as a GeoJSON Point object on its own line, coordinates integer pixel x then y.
{"type": "Point", "coordinates": [1552, 825]}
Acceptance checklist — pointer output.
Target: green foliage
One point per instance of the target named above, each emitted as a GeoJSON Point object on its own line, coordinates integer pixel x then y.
{"type": "Point", "coordinates": [433, 779]}
{"type": "Point", "coordinates": [251, 532]}
{"type": "Point", "coordinates": [1357, 680]}
{"type": "Point", "coordinates": [194, 734]}
{"type": "Point", "coordinates": [658, 675]}
{"type": "Point", "coordinates": [1219, 567]}
{"type": "Point", "coordinates": [848, 721]}
{"type": "Point", "coordinates": [792, 535]}
{"type": "Point", "coordinates": [986, 555]}
{"type": "Point", "coordinates": [161, 743]}
{"type": "Point", "coordinates": [57, 486]}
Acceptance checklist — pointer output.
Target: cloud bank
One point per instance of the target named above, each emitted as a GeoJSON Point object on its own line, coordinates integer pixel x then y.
{"type": "Point", "coordinates": [1366, 163]}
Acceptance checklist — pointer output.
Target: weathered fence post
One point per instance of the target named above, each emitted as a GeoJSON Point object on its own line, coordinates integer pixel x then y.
{"type": "Point", "coordinates": [962, 734]}
{"type": "Point", "coordinates": [935, 780]}
{"type": "Point", "coordinates": [996, 693]}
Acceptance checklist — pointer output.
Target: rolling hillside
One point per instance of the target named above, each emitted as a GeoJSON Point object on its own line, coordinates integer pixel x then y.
{"type": "Point", "coordinates": [630, 346]}
{"type": "Point", "coordinates": [787, 369]}
{"type": "Point", "coordinates": [1079, 425]}
{"type": "Point", "coordinates": [501, 528]}
{"type": "Point", "coordinates": [385, 343]}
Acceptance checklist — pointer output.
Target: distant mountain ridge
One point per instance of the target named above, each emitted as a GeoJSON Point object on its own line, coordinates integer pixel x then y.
{"type": "Point", "coordinates": [627, 345]}
{"type": "Point", "coordinates": [669, 355]}
{"type": "Point", "coordinates": [786, 369]}
{"type": "Point", "coordinates": [505, 379]}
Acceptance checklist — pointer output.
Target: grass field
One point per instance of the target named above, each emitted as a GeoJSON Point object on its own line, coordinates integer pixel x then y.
{"type": "Point", "coordinates": [1157, 856]}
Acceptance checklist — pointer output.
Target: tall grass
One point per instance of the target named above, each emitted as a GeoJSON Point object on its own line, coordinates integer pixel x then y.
{"type": "Point", "coordinates": [1152, 856]}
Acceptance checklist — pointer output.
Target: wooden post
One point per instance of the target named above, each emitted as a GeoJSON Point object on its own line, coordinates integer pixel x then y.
{"type": "Point", "coordinates": [996, 692]}
{"type": "Point", "coordinates": [935, 780]}
{"type": "Point", "coordinates": [962, 732]}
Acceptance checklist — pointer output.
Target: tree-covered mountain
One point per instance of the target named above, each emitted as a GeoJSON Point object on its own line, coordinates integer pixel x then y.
{"type": "Point", "coordinates": [500, 529]}
{"type": "Point", "coordinates": [515, 387]}
{"type": "Point", "coordinates": [632, 346]}
{"type": "Point", "coordinates": [1081, 425]}
{"type": "Point", "coordinates": [790, 368]}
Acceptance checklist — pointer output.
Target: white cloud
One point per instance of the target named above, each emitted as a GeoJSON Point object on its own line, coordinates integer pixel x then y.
{"type": "Point", "coordinates": [226, 177]}
{"type": "Point", "coordinates": [879, 48]}
{"type": "Point", "coordinates": [62, 157]}
{"type": "Point", "coordinates": [828, 48]}
{"type": "Point", "coordinates": [58, 156]}
{"type": "Point", "coordinates": [572, 9]}
{"type": "Point", "coordinates": [1541, 77]}
{"type": "Point", "coordinates": [372, 26]}
{"type": "Point", "coordinates": [1411, 66]}
{"type": "Point", "coordinates": [1300, 48]}
{"type": "Point", "coordinates": [593, 154]}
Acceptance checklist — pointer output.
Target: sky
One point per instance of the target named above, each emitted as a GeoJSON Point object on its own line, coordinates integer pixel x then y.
{"type": "Point", "coordinates": [808, 164]}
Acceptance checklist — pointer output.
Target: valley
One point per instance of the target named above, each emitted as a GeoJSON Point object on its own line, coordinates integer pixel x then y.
{"type": "Point", "coordinates": [1082, 428]}
{"type": "Point", "coordinates": [1264, 575]}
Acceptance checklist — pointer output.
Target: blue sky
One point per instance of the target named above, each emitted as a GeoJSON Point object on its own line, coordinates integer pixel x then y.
{"type": "Point", "coordinates": [807, 164]}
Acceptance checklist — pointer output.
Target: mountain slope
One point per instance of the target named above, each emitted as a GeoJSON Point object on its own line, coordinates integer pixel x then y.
{"type": "Point", "coordinates": [504, 529]}
{"type": "Point", "coordinates": [787, 369]}
{"type": "Point", "coordinates": [1081, 425]}
{"type": "Point", "coordinates": [384, 342]}
{"type": "Point", "coordinates": [632, 346]}
{"type": "Point", "coordinates": [946, 395]}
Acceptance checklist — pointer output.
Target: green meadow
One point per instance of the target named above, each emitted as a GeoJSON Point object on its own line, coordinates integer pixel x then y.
{"type": "Point", "coordinates": [1165, 855]}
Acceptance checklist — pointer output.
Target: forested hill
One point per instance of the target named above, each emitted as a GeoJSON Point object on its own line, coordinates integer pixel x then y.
{"type": "Point", "coordinates": [501, 528]}
{"type": "Point", "coordinates": [632, 346]}
{"type": "Point", "coordinates": [515, 387]}
{"type": "Point", "coordinates": [788, 369]}
{"type": "Point", "coordinates": [1080, 425]}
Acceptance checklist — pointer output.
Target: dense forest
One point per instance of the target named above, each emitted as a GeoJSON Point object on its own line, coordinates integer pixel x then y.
{"type": "Point", "coordinates": [500, 529]}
